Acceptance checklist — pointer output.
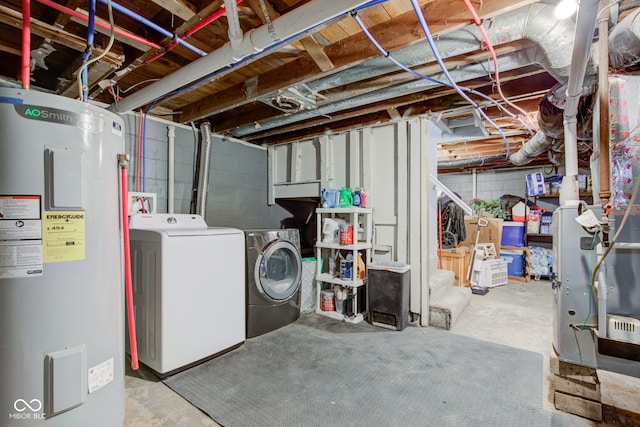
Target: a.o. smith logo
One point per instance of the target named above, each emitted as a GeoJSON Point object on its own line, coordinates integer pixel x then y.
{"type": "Point", "coordinates": [64, 117]}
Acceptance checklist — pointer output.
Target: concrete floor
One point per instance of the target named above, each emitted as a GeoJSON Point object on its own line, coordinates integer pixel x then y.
{"type": "Point", "coordinates": [518, 314]}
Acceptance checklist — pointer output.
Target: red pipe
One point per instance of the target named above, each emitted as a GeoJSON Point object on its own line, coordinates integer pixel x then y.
{"type": "Point", "coordinates": [85, 18]}
{"type": "Point", "coordinates": [206, 21]}
{"type": "Point", "coordinates": [127, 265]}
{"type": "Point", "coordinates": [26, 44]}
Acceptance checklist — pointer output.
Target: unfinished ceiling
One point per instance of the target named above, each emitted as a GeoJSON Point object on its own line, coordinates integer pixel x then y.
{"type": "Point", "coordinates": [295, 69]}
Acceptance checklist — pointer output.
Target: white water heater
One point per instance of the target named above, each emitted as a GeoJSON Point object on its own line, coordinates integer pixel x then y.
{"type": "Point", "coordinates": [61, 286]}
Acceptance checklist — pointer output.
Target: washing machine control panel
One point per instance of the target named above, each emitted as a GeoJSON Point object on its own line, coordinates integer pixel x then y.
{"type": "Point", "coordinates": [166, 221]}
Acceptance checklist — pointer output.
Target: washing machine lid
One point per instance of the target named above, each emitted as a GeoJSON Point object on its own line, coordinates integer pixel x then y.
{"type": "Point", "coordinates": [176, 225]}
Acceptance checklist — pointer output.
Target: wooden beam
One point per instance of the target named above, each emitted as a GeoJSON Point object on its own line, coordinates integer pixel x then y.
{"type": "Point", "coordinates": [14, 19]}
{"type": "Point", "coordinates": [316, 52]}
{"type": "Point", "coordinates": [179, 8]}
{"type": "Point", "coordinates": [10, 49]}
{"type": "Point", "coordinates": [398, 32]}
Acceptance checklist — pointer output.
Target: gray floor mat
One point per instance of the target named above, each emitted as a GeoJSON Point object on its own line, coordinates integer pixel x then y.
{"type": "Point", "coordinates": [318, 371]}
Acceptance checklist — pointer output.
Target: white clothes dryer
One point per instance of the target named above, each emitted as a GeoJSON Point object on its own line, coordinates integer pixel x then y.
{"type": "Point", "coordinates": [189, 289]}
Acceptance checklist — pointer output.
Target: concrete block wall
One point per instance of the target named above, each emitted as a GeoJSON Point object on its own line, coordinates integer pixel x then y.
{"type": "Point", "coordinates": [490, 185]}
{"type": "Point", "coordinates": [237, 193]}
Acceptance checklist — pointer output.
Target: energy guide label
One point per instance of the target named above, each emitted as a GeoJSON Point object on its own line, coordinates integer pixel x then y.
{"type": "Point", "coordinates": [63, 236]}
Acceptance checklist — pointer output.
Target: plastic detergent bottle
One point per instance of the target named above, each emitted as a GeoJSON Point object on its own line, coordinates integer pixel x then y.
{"type": "Point", "coordinates": [360, 270]}
{"type": "Point", "coordinates": [346, 197]}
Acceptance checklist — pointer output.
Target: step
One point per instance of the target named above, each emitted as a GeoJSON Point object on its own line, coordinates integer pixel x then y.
{"type": "Point", "coordinates": [440, 281]}
{"type": "Point", "coordinates": [445, 308]}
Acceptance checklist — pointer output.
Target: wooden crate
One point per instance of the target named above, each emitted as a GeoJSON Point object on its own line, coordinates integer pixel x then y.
{"type": "Point", "coordinates": [457, 260]}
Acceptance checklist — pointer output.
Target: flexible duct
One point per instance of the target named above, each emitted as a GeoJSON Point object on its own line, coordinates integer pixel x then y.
{"type": "Point", "coordinates": [171, 135]}
{"type": "Point", "coordinates": [535, 22]}
{"type": "Point", "coordinates": [203, 167]}
{"type": "Point", "coordinates": [624, 42]}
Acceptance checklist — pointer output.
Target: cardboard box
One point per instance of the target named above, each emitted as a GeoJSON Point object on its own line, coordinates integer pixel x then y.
{"type": "Point", "coordinates": [492, 233]}
{"type": "Point", "coordinates": [535, 184]}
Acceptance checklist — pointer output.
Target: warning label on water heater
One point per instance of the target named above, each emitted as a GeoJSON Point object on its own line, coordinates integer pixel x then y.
{"type": "Point", "coordinates": [63, 236]}
{"type": "Point", "coordinates": [20, 236]}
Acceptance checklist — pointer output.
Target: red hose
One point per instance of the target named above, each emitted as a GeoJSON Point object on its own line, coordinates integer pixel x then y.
{"type": "Point", "coordinates": [26, 44]}
{"type": "Point", "coordinates": [127, 266]}
{"type": "Point", "coordinates": [79, 15]}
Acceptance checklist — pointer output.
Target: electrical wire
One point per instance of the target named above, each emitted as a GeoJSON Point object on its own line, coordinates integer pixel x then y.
{"type": "Point", "coordinates": [627, 212]}
{"type": "Point", "coordinates": [440, 62]}
{"type": "Point", "coordinates": [83, 81]}
{"type": "Point", "coordinates": [112, 35]}
{"type": "Point", "coordinates": [494, 57]}
{"type": "Point", "coordinates": [250, 57]}
{"type": "Point", "coordinates": [387, 55]}
{"type": "Point", "coordinates": [138, 84]}
{"type": "Point", "coordinates": [459, 89]}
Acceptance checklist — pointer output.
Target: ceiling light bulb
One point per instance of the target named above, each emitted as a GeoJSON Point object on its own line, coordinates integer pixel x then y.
{"type": "Point", "coordinates": [565, 8]}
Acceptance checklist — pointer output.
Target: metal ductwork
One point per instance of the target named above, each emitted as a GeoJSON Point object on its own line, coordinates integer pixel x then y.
{"type": "Point", "coordinates": [203, 170]}
{"type": "Point", "coordinates": [624, 42]}
{"type": "Point", "coordinates": [535, 22]}
{"type": "Point", "coordinates": [471, 162]}
{"type": "Point", "coordinates": [550, 123]}
{"type": "Point", "coordinates": [507, 62]}
{"type": "Point", "coordinates": [624, 51]}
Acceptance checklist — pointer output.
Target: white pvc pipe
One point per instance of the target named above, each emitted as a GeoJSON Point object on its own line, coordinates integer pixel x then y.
{"type": "Point", "coordinates": [235, 32]}
{"type": "Point", "coordinates": [585, 26]}
{"type": "Point", "coordinates": [171, 133]}
{"type": "Point", "coordinates": [255, 42]}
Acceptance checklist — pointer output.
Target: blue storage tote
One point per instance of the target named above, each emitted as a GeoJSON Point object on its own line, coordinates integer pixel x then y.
{"type": "Point", "coordinates": [512, 234]}
{"type": "Point", "coordinates": [515, 262]}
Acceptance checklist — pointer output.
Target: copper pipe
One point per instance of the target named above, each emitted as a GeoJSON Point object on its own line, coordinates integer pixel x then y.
{"type": "Point", "coordinates": [603, 100]}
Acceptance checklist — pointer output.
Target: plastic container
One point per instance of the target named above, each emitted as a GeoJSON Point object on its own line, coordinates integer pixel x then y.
{"type": "Point", "coordinates": [520, 212]}
{"type": "Point", "coordinates": [515, 262]}
{"type": "Point", "coordinates": [512, 234]}
{"type": "Point", "coordinates": [389, 288]}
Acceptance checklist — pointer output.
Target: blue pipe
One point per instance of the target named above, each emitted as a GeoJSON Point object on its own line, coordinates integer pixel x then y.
{"type": "Point", "coordinates": [250, 57]}
{"type": "Point", "coordinates": [151, 25]}
{"type": "Point", "coordinates": [432, 44]}
{"type": "Point", "coordinates": [387, 55]}
{"type": "Point", "coordinates": [87, 52]}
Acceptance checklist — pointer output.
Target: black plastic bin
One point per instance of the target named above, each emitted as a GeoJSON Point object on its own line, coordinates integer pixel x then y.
{"type": "Point", "coordinates": [389, 287]}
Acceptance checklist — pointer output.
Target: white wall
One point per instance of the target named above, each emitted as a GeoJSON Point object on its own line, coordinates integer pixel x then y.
{"type": "Point", "coordinates": [392, 163]}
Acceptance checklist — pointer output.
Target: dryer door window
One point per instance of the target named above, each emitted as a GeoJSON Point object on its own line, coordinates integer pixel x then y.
{"type": "Point", "coordinates": [278, 270]}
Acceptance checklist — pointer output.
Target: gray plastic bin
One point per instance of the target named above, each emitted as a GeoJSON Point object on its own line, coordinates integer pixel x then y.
{"type": "Point", "coordinates": [389, 287]}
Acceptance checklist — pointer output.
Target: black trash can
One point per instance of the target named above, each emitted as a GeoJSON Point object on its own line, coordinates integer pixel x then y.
{"type": "Point", "coordinates": [389, 287]}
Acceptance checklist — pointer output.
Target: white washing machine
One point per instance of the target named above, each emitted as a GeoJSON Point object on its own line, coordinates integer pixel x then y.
{"type": "Point", "coordinates": [188, 289]}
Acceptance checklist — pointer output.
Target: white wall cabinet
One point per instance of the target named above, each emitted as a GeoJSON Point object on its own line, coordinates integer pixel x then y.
{"type": "Point", "coordinates": [356, 288]}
